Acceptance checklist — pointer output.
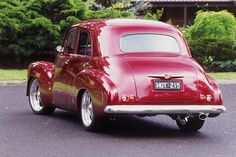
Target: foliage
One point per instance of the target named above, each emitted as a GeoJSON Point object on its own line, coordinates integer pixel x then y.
{"type": "Point", "coordinates": [149, 16]}
{"type": "Point", "coordinates": [118, 5]}
{"type": "Point", "coordinates": [36, 27]}
{"type": "Point", "coordinates": [159, 13]}
{"type": "Point", "coordinates": [217, 24]}
{"type": "Point", "coordinates": [212, 37]}
{"type": "Point", "coordinates": [32, 26]}
{"type": "Point", "coordinates": [154, 16]}
{"type": "Point", "coordinates": [112, 3]}
{"type": "Point", "coordinates": [209, 48]}
{"type": "Point", "coordinates": [185, 31]}
{"type": "Point", "coordinates": [229, 65]}
{"type": "Point", "coordinates": [107, 13]}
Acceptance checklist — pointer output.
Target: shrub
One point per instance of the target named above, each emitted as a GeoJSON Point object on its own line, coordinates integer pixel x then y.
{"type": "Point", "coordinates": [218, 24]}
{"type": "Point", "coordinates": [107, 13]}
{"type": "Point", "coordinates": [209, 48]}
{"type": "Point", "coordinates": [212, 37]}
{"type": "Point", "coordinates": [185, 31]}
{"type": "Point", "coordinates": [149, 16]}
{"type": "Point", "coordinates": [154, 16]}
{"type": "Point", "coordinates": [229, 65]}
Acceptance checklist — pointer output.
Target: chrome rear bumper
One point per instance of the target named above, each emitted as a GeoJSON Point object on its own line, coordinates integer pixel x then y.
{"type": "Point", "coordinates": [164, 109]}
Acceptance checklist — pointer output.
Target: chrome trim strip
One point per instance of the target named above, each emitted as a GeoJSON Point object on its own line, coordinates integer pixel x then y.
{"type": "Point", "coordinates": [163, 76]}
{"type": "Point", "coordinates": [164, 109]}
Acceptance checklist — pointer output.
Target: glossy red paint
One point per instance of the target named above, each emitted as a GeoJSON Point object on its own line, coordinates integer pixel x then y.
{"type": "Point", "coordinates": [109, 74]}
{"type": "Point", "coordinates": [43, 71]}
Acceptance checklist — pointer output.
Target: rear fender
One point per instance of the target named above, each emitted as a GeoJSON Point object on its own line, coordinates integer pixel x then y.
{"type": "Point", "coordinates": [43, 72]}
{"type": "Point", "coordinates": [208, 86]}
{"type": "Point", "coordinates": [102, 89]}
{"type": "Point", "coordinates": [217, 92]}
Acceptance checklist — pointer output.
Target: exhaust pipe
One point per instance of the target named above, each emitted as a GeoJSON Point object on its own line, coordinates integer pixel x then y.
{"type": "Point", "coordinates": [202, 116]}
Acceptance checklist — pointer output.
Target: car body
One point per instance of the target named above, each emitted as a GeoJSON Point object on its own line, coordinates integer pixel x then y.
{"type": "Point", "coordinates": [125, 66]}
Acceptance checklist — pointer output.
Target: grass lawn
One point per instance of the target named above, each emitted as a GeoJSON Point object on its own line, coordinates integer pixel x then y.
{"type": "Point", "coordinates": [223, 75]}
{"type": "Point", "coordinates": [12, 74]}
{"type": "Point", "coordinates": [22, 74]}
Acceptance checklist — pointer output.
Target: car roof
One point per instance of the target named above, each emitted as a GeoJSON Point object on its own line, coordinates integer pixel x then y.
{"type": "Point", "coordinates": [101, 23]}
{"type": "Point", "coordinates": [105, 30]}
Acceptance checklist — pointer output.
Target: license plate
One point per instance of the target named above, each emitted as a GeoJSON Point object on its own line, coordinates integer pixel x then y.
{"type": "Point", "coordinates": [167, 85]}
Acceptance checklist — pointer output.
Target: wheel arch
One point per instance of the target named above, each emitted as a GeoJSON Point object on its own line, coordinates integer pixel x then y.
{"type": "Point", "coordinates": [101, 88]}
{"type": "Point", "coordinates": [43, 72]}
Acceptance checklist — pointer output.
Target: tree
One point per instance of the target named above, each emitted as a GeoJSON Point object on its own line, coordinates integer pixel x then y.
{"type": "Point", "coordinates": [110, 3]}
{"type": "Point", "coordinates": [35, 27]}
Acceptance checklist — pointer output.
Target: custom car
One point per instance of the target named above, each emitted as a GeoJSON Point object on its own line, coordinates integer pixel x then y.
{"type": "Point", "coordinates": [110, 67]}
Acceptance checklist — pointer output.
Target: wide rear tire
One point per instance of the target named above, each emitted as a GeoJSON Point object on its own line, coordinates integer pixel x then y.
{"type": "Point", "coordinates": [35, 101]}
{"type": "Point", "coordinates": [189, 123]}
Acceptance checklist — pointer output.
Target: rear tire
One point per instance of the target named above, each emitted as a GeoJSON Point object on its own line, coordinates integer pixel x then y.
{"type": "Point", "coordinates": [35, 101]}
{"type": "Point", "coordinates": [189, 123]}
{"type": "Point", "coordinates": [89, 120]}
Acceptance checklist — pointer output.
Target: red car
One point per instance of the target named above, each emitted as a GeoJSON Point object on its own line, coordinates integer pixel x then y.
{"type": "Point", "coordinates": [124, 66]}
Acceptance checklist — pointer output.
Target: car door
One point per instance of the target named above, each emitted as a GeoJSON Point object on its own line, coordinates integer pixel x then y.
{"type": "Point", "coordinates": [59, 90]}
{"type": "Point", "coordinates": [79, 61]}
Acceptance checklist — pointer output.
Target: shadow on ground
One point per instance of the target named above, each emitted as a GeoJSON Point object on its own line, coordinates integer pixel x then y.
{"type": "Point", "coordinates": [132, 127]}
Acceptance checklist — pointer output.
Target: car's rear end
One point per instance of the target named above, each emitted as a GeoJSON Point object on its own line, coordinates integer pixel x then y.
{"type": "Point", "coordinates": [166, 79]}
{"type": "Point", "coordinates": [166, 84]}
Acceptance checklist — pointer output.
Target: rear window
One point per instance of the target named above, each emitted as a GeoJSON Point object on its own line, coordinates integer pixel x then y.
{"type": "Point", "coordinates": [149, 43]}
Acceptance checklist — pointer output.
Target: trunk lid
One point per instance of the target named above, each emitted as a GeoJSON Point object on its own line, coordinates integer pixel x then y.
{"type": "Point", "coordinates": [147, 69]}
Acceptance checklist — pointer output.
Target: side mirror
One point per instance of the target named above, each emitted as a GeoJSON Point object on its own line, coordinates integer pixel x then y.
{"type": "Point", "coordinates": [60, 49]}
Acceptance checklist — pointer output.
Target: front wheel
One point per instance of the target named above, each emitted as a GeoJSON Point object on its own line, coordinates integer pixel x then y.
{"type": "Point", "coordinates": [187, 123]}
{"type": "Point", "coordinates": [89, 120]}
{"type": "Point", "coordinates": [35, 100]}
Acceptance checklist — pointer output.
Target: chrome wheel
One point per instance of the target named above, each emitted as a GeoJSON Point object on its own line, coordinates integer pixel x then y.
{"type": "Point", "coordinates": [34, 96]}
{"type": "Point", "coordinates": [87, 109]}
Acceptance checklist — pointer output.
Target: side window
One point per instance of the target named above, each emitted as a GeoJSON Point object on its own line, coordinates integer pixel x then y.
{"type": "Point", "coordinates": [70, 41]}
{"type": "Point", "coordinates": [84, 47]}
